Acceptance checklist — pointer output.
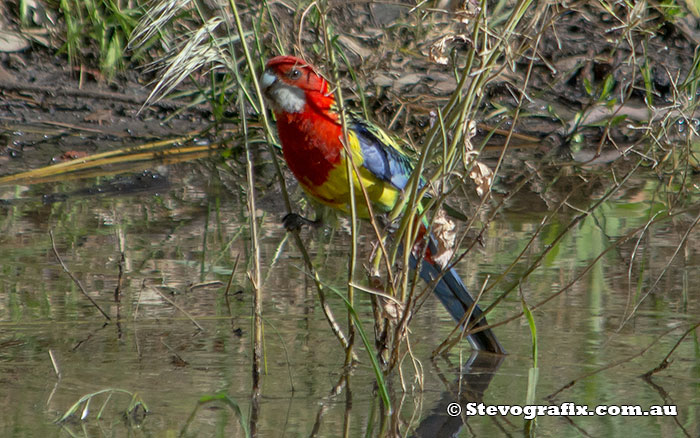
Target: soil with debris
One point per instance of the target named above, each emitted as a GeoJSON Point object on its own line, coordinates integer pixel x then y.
{"type": "Point", "coordinates": [50, 110]}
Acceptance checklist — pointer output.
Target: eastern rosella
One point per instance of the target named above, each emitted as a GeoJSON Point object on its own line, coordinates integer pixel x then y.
{"type": "Point", "coordinates": [310, 131]}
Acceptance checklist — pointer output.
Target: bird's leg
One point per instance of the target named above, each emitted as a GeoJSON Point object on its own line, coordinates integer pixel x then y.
{"type": "Point", "coordinates": [293, 222]}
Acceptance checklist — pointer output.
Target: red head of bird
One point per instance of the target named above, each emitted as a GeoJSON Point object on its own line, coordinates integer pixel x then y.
{"type": "Point", "coordinates": [290, 83]}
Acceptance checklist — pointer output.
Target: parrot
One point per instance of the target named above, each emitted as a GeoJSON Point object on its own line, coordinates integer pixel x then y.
{"type": "Point", "coordinates": [311, 134]}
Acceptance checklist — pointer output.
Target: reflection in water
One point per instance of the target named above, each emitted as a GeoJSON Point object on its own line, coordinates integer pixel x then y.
{"type": "Point", "coordinates": [469, 387]}
{"type": "Point", "coordinates": [191, 231]}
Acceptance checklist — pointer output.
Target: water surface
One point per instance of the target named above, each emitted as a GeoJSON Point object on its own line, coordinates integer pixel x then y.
{"type": "Point", "coordinates": [181, 239]}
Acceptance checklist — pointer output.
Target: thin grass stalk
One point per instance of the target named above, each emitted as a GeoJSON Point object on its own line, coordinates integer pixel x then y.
{"type": "Point", "coordinates": [239, 80]}
{"type": "Point", "coordinates": [205, 236]}
{"type": "Point", "coordinates": [348, 408]}
{"type": "Point", "coordinates": [665, 362]}
{"type": "Point", "coordinates": [455, 119]}
{"type": "Point", "coordinates": [286, 352]}
{"type": "Point", "coordinates": [550, 247]}
{"type": "Point", "coordinates": [352, 167]}
{"type": "Point", "coordinates": [378, 374]}
{"type": "Point", "coordinates": [351, 175]}
{"type": "Point", "coordinates": [625, 360]}
{"type": "Point", "coordinates": [227, 400]}
{"type": "Point", "coordinates": [490, 218]}
{"type": "Point", "coordinates": [85, 400]}
{"type": "Point", "coordinates": [254, 276]}
{"type": "Point", "coordinates": [412, 208]}
{"type": "Point", "coordinates": [275, 31]}
{"type": "Point", "coordinates": [378, 234]}
{"type": "Point", "coordinates": [356, 79]}
{"type": "Point", "coordinates": [269, 137]}
{"type": "Point", "coordinates": [461, 330]}
{"type": "Point", "coordinates": [558, 238]}
{"type": "Point", "coordinates": [412, 300]}
{"type": "Point", "coordinates": [458, 116]}
{"type": "Point", "coordinates": [409, 206]}
{"type": "Point", "coordinates": [663, 271]}
{"type": "Point", "coordinates": [178, 307]}
{"type": "Point", "coordinates": [533, 334]}
{"type": "Point", "coordinates": [445, 346]}
{"type": "Point", "coordinates": [517, 108]}
{"type": "Point", "coordinates": [75, 279]}
{"type": "Point", "coordinates": [590, 266]}
{"type": "Point", "coordinates": [256, 35]}
{"type": "Point", "coordinates": [267, 130]}
{"type": "Point", "coordinates": [484, 75]}
{"type": "Point", "coordinates": [432, 135]}
{"type": "Point", "coordinates": [642, 268]}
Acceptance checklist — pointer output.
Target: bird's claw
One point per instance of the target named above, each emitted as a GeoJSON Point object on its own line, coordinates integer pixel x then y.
{"type": "Point", "coordinates": [389, 226]}
{"type": "Point", "coordinates": [294, 222]}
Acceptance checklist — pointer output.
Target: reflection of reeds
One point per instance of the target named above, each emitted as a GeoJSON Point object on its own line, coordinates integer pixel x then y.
{"type": "Point", "coordinates": [227, 400]}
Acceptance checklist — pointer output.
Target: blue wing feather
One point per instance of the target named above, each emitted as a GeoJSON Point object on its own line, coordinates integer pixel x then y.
{"type": "Point", "coordinates": [384, 161]}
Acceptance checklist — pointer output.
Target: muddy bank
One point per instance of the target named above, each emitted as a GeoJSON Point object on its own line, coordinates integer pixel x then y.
{"type": "Point", "coordinates": [639, 58]}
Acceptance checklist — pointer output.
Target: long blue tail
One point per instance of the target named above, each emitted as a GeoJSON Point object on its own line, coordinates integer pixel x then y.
{"type": "Point", "coordinates": [454, 295]}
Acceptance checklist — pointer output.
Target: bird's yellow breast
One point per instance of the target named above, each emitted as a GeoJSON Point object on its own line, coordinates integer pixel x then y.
{"type": "Point", "coordinates": [335, 191]}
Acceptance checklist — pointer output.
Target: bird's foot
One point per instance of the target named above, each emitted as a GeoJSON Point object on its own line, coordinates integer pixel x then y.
{"type": "Point", "coordinates": [294, 222]}
{"type": "Point", "coordinates": [389, 226]}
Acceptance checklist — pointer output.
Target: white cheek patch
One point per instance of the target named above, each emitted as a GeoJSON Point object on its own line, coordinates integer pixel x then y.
{"type": "Point", "coordinates": [287, 98]}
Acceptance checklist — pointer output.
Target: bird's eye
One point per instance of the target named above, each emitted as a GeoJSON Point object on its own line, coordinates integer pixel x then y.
{"type": "Point", "coordinates": [294, 74]}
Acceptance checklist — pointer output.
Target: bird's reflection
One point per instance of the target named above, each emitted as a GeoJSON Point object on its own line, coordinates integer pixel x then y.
{"type": "Point", "coordinates": [468, 387]}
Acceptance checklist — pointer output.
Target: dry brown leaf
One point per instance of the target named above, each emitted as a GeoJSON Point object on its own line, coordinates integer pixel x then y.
{"type": "Point", "coordinates": [469, 133]}
{"type": "Point", "coordinates": [470, 10]}
{"type": "Point", "coordinates": [439, 48]}
{"type": "Point", "coordinates": [391, 310]}
{"type": "Point", "coordinates": [444, 231]}
{"type": "Point", "coordinates": [482, 176]}
{"type": "Point", "coordinates": [480, 173]}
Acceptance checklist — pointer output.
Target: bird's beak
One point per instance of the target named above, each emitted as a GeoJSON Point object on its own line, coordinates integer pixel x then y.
{"type": "Point", "coordinates": [267, 79]}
